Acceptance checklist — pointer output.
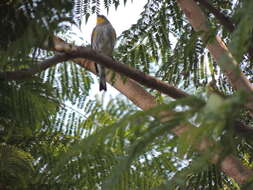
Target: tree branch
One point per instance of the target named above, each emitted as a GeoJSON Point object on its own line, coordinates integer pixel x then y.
{"type": "Point", "coordinates": [27, 73]}
{"type": "Point", "coordinates": [229, 165]}
{"type": "Point", "coordinates": [108, 62]}
{"type": "Point", "coordinates": [87, 53]}
{"type": "Point", "coordinates": [128, 84]}
{"type": "Point", "coordinates": [132, 73]}
{"type": "Point", "coordinates": [130, 88]}
{"type": "Point", "coordinates": [224, 20]}
{"type": "Point", "coordinates": [218, 50]}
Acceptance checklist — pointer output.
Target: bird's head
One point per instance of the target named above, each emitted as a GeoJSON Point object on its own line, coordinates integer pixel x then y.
{"type": "Point", "coordinates": [101, 19]}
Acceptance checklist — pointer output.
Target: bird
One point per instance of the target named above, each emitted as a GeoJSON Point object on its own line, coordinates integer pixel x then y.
{"type": "Point", "coordinates": [103, 39]}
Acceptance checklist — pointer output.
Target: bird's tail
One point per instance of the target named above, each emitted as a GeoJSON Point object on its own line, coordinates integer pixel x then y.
{"type": "Point", "coordinates": [102, 81]}
{"type": "Point", "coordinates": [102, 84]}
{"type": "Point", "coordinates": [101, 73]}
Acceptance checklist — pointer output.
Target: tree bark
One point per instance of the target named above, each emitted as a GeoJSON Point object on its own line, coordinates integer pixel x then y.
{"type": "Point", "coordinates": [225, 21]}
{"type": "Point", "coordinates": [131, 89]}
{"type": "Point", "coordinates": [218, 50]}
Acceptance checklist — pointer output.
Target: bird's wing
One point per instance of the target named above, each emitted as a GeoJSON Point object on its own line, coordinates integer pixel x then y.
{"type": "Point", "coordinates": [93, 37]}
{"type": "Point", "coordinates": [112, 34]}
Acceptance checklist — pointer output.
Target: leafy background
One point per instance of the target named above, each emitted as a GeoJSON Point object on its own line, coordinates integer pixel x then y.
{"type": "Point", "coordinates": [47, 144]}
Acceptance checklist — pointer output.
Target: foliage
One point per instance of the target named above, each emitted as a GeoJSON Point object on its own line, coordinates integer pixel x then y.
{"type": "Point", "coordinates": [54, 136]}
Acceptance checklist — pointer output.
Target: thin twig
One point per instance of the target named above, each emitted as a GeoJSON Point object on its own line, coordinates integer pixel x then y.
{"type": "Point", "coordinates": [24, 74]}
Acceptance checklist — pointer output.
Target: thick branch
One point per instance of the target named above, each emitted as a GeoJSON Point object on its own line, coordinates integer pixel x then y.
{"type": "Point", "coordinates": [218, 50]}
{"type": "Point", "coordinates": [87, 53]}
{"type": "Point", "coordinates": [131, 89]}
{"type": "Point", "coordinates": [132, 73]}
{"type": "Point", "coordinates": [142, 78]}
{"type": "Point", "coordinates": [225, 21]}
{"type": "Point", "coordinates": [118, 82]}
{"type": "Point", "coordinates": [27, 73]}
{"type": "Point", "coordinates": [230, 165]}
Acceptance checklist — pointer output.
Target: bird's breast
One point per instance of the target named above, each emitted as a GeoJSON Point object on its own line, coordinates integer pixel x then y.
{"type": "Point", "coordinates": [102, 41]}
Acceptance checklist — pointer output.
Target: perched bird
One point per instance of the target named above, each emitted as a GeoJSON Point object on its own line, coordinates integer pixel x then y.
{"type": "Point", "coordinates": [103, 40]}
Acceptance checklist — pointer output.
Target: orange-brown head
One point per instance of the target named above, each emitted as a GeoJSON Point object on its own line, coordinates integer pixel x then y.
{"type": "Point", "coordinates": [101, 19]}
